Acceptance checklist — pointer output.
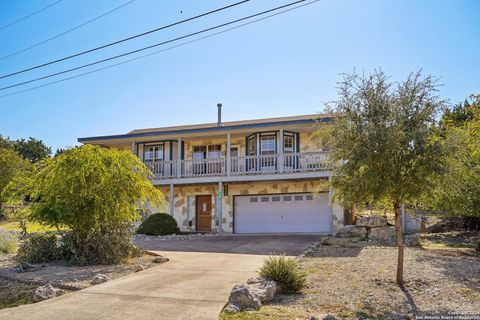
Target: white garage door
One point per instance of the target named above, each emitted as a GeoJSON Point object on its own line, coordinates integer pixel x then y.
{"type": "Point", "coordinates": [282, 213]}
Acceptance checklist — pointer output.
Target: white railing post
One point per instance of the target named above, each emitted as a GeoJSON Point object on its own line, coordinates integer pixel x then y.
{"type": "Point", "coordinates": [280, 153]}
{"type": "Point", "coordinates": [179, 157]}
{"type": "Point", "coordinates": [229, 160]}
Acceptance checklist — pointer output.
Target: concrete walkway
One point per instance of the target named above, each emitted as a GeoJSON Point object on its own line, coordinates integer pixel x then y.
{"type": "Point", "coordinates": [192, 285]}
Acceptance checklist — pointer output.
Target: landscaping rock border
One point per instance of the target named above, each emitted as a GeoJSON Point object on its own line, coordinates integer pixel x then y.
{"type": "Point", "coordinates": [191, 236]}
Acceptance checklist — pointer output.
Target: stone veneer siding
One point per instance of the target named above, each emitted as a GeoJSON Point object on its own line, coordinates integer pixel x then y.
{"type": "Point", "coordinates": [181, 194]}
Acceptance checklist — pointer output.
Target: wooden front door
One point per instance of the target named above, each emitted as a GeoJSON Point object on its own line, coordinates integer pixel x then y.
{"type": "Point", "coordinates": [204, 213]}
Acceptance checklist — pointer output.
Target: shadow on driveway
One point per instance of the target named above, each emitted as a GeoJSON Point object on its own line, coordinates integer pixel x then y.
{"type": "Point", "coordinates": [241, 244]}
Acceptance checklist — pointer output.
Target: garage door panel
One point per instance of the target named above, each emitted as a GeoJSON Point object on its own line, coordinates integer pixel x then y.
{"type": "Point", "coordinates": [289, 213]}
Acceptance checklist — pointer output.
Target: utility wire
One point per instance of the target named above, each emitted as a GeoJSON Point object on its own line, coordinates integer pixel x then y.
{"type": "Point", "coordinates": [65, 32]}
{"type": "Point", "coordinates": [29, 15]}
{"type": "Point", "coordinates": [153, 45]}
{"type": "Point", "coordinates": [157, 52]}
{"type": "Point", "coordinates": [123, 40]}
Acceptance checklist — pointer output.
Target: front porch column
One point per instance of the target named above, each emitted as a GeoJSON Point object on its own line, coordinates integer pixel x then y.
{"type": "Point", "coordinates": [172, 201]}
{"type": "Point", "coordinates": [179, 157]}
{"type": "Point", "coordinates": [281, 157]}
{"type": "Point", "coordinates": [229, 161]}
{"type": "Point", "coordinates": [219, 203]}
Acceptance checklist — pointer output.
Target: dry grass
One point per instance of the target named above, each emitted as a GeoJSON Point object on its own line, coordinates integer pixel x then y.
{"type": "Point", "coordinates": [31, 227]}
{"type": "Point", "coordinates": [356, 281]}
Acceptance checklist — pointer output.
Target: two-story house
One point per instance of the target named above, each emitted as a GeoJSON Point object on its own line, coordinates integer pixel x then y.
{"type": "Point", "coordinates": [252, 176]}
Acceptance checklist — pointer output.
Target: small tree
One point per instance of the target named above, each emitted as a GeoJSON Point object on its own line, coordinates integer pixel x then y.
{"type": "Point", "coordinates": [382, 147]}
{"type": "Point", "coordinates": [10, 164]}
{"type": "Point", "coordinates": [92, 190]}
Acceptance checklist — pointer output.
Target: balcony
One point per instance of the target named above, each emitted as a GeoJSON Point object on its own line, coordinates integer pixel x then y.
{"type": "Point", "coordinates": [270, 164]}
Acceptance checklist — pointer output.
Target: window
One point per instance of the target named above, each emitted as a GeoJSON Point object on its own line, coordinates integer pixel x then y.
{"type": "Point", "coordinates": [309, 197]}
{"type": "Point", "coordinates": [275, 198]}
{"type": "Point", "coordinates": [288, 144]}
{"type": "Point", "coordinates": [153, 152]}
{"type": "Point", "coordinates": [253, 199]}
{"type": "Point", "coordinates": [298, 198]}
{"type": "Point", "coordinates": [199, 152]}
{"type": "Point", "coordinates": [214, 151]}
{"type": "Point", "coordinates": [287, 198]}
{"type": "Point", "coordinates": [267, 145]}
{"type": "Point", "coordinates": [264, 199]}
{"type": "Point", "coordinates": [251, 145]}
{"type": "Point", "coordinates": [234, 151]}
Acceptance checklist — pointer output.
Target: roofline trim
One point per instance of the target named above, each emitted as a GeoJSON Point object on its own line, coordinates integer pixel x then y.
{"type": "Point", "coordinates": [222, 128]}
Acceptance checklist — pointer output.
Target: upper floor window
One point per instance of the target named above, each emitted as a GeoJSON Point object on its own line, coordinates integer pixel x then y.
{"type": "Point", "coordinates": [288, 144]}
{"type": "Point", "coordinates": [154, 152]}
{"type": "Point", "coordinates": [251, 145]}
{"type": "Point", "coordinates": [267, 145]}
{"type": "Point", "coordinates": [199, 152]}
{"type": "Point", "coordinates": [213, 151]}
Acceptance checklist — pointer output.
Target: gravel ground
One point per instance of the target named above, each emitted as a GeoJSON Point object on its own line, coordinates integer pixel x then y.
{"type": "Point", "coordinates": [356, 280]}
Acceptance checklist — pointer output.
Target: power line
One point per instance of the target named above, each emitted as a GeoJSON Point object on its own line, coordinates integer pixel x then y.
{"type": "Point", "coordinates": [66, 31]}
{"type": "Point", "coordinates": [157, 52]}
{"type": "Point", "coordinates": [154, 45]}
{"type": "Point", "coordinates": [29, 15]}
{"type": "Point", "coordinates": [123, 40]}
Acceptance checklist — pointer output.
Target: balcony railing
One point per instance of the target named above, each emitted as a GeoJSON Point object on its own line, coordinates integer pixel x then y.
{"type": "Point", "coordinates": [240, 166]}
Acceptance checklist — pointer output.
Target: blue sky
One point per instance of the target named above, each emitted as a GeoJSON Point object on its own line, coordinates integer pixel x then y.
{"type": "Point", "coordinates": [282, 66]}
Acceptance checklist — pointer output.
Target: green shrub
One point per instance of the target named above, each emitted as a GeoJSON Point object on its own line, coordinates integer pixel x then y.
{"type": "Point", "coordinates": [8, 242]}
{"type": "Point", "coordinates": [285, 272]}
{"type": "Point", "coordinates": [158, 224]}
{"type": "Point", "coordinates": [37, 248]}
{"type": "Point", "coordinates": [111, 245]}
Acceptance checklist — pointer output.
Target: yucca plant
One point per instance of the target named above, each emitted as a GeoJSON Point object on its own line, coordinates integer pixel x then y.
{"type": "Point", "coordinates": [285, 272]}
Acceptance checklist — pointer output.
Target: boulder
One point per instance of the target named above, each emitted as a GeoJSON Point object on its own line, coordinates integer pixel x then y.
{"type": "Point", "coordinates": [160, 260]}
{"type": "Point", "coordinates": [231, 308]}
{"type": "Point", "coordinates": [352, 231]}
{"type": "Point", "coordinates": [255, 280]}
{"type": "Point", "coordinates": [46, 292]}
{"type": "Point", "coordinates": [242, 298]}
{"type": "Point", "coordinates": [264, 290]}
{"type": "Point", "coordinates": [383, 234]}
{"type": "Point", "coordinates": [99, 278]}
{"type": "Point", "coordinates": [371, 221]}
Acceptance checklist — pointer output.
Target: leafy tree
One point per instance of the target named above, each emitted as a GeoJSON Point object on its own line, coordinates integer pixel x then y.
{"type": "Point", "coordinates": [458, 189]}
{"type": "Point", "coordinates": [32, 149]}
{"type": "Point", "coordinates": [6, 143]}
{"type": "Point", "coordinates": [92, 190]}
{"type": "Point", "coordinates": [382, 148]}
{"type": "Point", "coordinates": [461, 112]}
{"type": "Point", "coordinates": [10, 164]}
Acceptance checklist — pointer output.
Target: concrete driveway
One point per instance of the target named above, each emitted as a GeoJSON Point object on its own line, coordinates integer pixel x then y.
{"type": "Point", "coordinates": [192, 285]}
{"type": "Point", "coordinates": [243, 244]}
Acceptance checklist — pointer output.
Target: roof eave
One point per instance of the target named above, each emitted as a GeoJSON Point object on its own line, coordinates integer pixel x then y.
{"type": "Point", "coordinates": [212, 129]}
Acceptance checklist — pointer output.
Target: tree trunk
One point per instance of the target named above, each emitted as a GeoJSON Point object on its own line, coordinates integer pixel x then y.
{"type": "Point", "coordinates": [399, 231]}
{"type": "Point", "coordinates": [351, 214]}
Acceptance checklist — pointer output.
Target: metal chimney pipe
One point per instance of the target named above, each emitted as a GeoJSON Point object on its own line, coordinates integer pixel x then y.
{"type": "Point", "coordinates": [219, 121]}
